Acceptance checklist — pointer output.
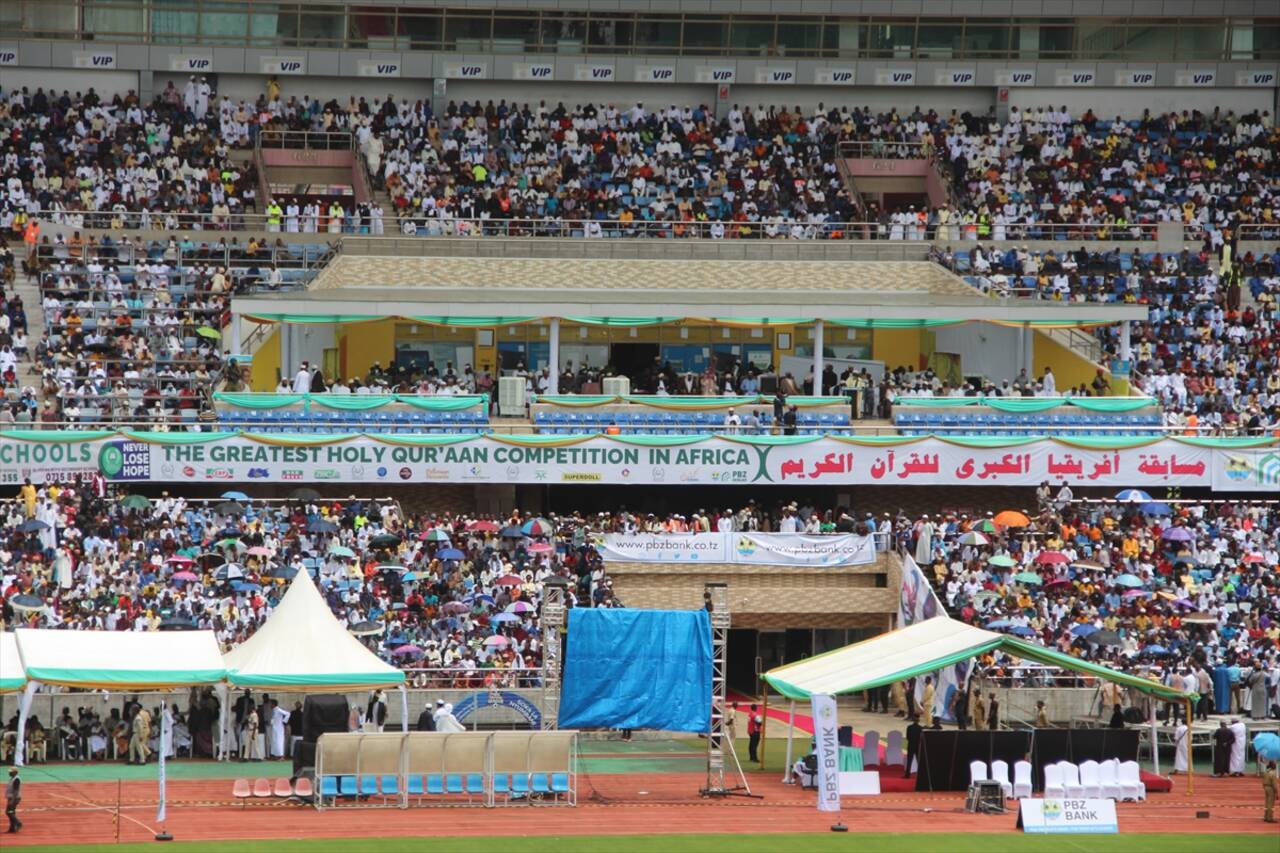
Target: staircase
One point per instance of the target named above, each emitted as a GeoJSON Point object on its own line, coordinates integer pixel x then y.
{"type": "Point", "coordinates": [28, 288]}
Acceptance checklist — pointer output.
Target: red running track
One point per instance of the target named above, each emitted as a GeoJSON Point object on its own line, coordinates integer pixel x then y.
{"type": "Point", "coordinates": [83, 813]}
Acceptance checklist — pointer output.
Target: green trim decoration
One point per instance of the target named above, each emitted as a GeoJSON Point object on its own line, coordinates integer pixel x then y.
{"type": "Point", "coordinates": [352, 402]}
{"type": "Point", "coordinates": [472, 322]}
{"type": "Point", "coordinates": [136, 678]}
{"type": "Point", "coordinates": [894, 324]}
{"type": "Point", "coordinates": [576, 401]}
{"type": "Point", "coordinates": [361, 681]}
{"type": "Point", "coordinates": [1030, 404]}
{"type": "Point", "coordinates": [1040, 654]}
{"type": "Point", "coordinates": [681, 403]}
{"type": "Point", "coordinates": [61, 435]}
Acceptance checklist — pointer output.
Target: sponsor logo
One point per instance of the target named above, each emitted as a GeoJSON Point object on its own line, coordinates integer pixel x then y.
{"type": "Point", "coordinates": [219, 474]}
{"type": "Point", "coordinates": [436, 474]}
{"type": "Point", "coordinates": [291, 474]}
{"type": "Point", "coordinates": [581, 477]}
{"type": "Point", "coordinates": [188, 471]}
{"type": "Point", "coordinates": [745, 547]}
{"type": "Point", "coordinates": [513, 472]}
{"type": "Point", "coordinates": [540, 474]}
{"type": "Point", "coordinates": [1238, 468]}
{"type": "Point", "coordinates": [259, 473]}
{"type": "Point", "coordinates": [382, 472]}
{"type": "Point", "coordinates": [326, 474]}
{"type": "Point", "coordinates": [1269, 469]}
{"type": "Point", "coordinates": [357, 472]}
{"type": "Point", "coordinates": [659, 474]}
{"type": "Point", "coordinates": [626, 472]}
{"type": "Point", "coordinates": [406, 473]}
{"type": "Point", "coordinates": [1052, 809]}
{"type": "Point", "coordinates": [125, 460]}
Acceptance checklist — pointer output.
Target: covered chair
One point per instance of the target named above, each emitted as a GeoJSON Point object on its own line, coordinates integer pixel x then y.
{"type": "Point", "coordinates": [893, 749]}
{"type": "Point", "coordinates": [1131, 785]}
{"type": "Point", "coordinates": [870, 748]}
{"type": "Point", "coordinates": [1071, 779]}
{"type": "Point", "coordinates": [1021, 779]}
{"type": "Point", "coordinates": [1109, 777]}
{"type": "Point", "coordinates": [1091, 779]}
{"type": "Point", "coordinates": [1000, 773]}
{"type": "Point", "coordinates": [977, 771]}
{"type": "Point", "coordinates": [1053, 785]}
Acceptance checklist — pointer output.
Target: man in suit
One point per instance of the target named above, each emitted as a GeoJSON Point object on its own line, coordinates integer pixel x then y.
{"type": "Point", "coordinates": [993, 712]}
{"type": "Point", "coordinates": [913, 746]}
{"type": "Point", "coordinates": [427, 719]}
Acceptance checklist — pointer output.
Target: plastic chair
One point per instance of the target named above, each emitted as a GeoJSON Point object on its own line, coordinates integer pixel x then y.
{"type": "Point", "coordinates": [977, 771]}
{"type": "Point", "coordinates": [1071, 779]}
{"type": "Point", "coordinates": [262, 788]}
{"type": "Point", "coordinates": [282, 788]}
{"type": "Point", "coordinates": [870, 748]}
{"type": "Point", "coordinates": [303, 787]}
{"type": "Point", "coordinates": [1091, 779]}
{"type": "Point", "coordinates": [1053, 785]}
{"type": "Point", "coordinates": [241, 791]}
{"type": "Point", "coordinates": [1021, 779]}
{"type": "Point", "coordinates": [1000, 773]}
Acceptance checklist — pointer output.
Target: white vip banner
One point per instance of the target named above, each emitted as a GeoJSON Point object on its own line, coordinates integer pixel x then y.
{"type": "Point", "coordinates": [762, 549]}
{"type": "Point", "coordinates": [8, 56]}
{"type": "Point", "coordinates": [378, 68]}
{"type": "Point", "coordinates": [600, 459]}
{"type": "Point", "coordinates": [1049, 816]}
{"type": "Point", "coordinates": [594, 73]}
{"type": "Point", "coordinates": [534, 71]}
{"type": "Point", "coordinates": [466, 70]}
{"type": "Point", "coordinates": [655, 73]}
{"type": "Point", "coordinates": [283, 64]}
{"type": "Point", "coordinates": [190, 63]}
{"type": "Point", "coordinates": [827, 742]}
{"type": "Point", "coordinates": [1016, 77]}
{"type": "Point", "coordinates": [1197, 77]}
{"type": "Point", "coordinates": [101, 59]}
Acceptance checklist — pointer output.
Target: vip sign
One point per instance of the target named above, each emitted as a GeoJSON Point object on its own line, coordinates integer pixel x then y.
{"type": "Point", "coordinates": [466, 70]}
{"type": "Point", "coordinates": [534, 71]}
{"type": "Point", "coordinates": [1016, 77]}
{"type": "Point", "coordinates": [1070, 77]}
{"type": "Point", "coordinates": [708, 74]}
{"type": "Point", "coordinates": [371, 68]}
{"type": "Point", "coordinates": [1255, 78]}
{"type": "Point", "coordinates": [187, 63]}
{"type": "Point", "coordinates": [955, 77]}
{"type": "Point", "coordinates": [775, 76]}
{"type": "Point", "coordinates": [895, 77]}
{"type": "Point", "coordinates": [594, 73]}
{"type": "Point", "coordinates": [1197, 78]}
{"type": "Point", "coordinates": [655, 74]}
{"type": "Point", "coordinates": [94, 59]}
{"type": "Point", "coordinates": [283, 65]}
{"type": "Point", "coordinates": [1138, 77]}
{"type": "Point", "coordinates": [8, 56]}
{"type": "Point", "coordinates": [834, 76]}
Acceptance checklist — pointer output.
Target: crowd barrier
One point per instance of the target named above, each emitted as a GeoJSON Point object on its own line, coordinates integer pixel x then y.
{"type": "Point", "coordinates": [488, 769]}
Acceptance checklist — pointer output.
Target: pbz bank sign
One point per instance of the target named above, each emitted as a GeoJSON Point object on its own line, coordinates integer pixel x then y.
{"type": "Point", "coordinates": [1050, 816]}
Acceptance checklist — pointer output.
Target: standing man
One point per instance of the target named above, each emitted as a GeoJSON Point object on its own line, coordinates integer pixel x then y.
{"type": "Point", "coordinates": [979, 710]}
{"type": "Point", "coordinates": [249, 748]}
{"type": "Point", "coordinates": [376, 714]}
{"type": "Point", "coordinates": [1269, 786]}
{"type": "Point", "coordinates": [960, 708]}
{"type": "Point", "coordinates": [913, 746]}
{"type": "Point", "coordinates": [753, 734]}
{"type": "Point", "coordinates": [993, 713]}
{"type": "Point", "coordinates": [926, 702]}
{"type": "Point", "coordinates": [1042, 715]}
{"type": "Point", "coordinates": [13, 796]}
{"type": "Point", "coordinates": [1239, 738]}
{"type": "Point", "coordinates": [141, 734]}
{"type": "Point", "coordinates": [1181, 736]}
{"type": "Point", "coordinates": [1222, 741]}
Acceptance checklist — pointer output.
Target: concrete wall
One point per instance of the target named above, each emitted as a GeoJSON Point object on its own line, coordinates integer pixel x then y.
{"type": "Point", "coordinates": [984, 349]}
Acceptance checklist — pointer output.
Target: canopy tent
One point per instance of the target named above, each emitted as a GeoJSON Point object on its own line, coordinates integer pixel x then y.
{"type": "Point", "coordinates": [113, 660]}
{"type": "Point", "coordinates": [925, 647]}
{"type": "Point", "coordinates": [12, 676]}
{"type": "Point", "coordinates": [303, 648]}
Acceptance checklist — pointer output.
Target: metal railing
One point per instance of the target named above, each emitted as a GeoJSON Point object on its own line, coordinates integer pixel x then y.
{"type": "Point", "coordinates": [884, 149]}
{"type": "Point", "coordinates": [315, 140]}
{"type": "Point", "coordinates": [234, 258]}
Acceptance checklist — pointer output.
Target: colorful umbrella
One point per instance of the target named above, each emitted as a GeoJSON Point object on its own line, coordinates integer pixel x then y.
{"type": "Point", "coordinates": [26, 602]}
{"type": "Point", "coordinates": [454, 608]}
{"type": "Point", "coordinates": [1200, 619]}
{"type": "Point", "coordinates": [180, 560]}
{"type": "Point", "coordinates": [408, 649]}
{"type": "Point", "coordinates": [1058, 582]}
{"type": "Point", "coordinates": [1177, 534]}
{"type": "Point", "coordinates": [234, 496]}
{"type": "Point", "coordinates": [1137, 593]}
{"type": "Point", "coordinates": [973, 537]}
{"type": "Point", "coordinates": [341, 551]}
{"type": "Point", "coordinates": [1136, 496]}
{"type": "Point", "coordinates": [1022, 631]}
{"type": "Point", "coordinates": [496, 640]}
{"type": "Point", "coordinates": [366, 629]}
{"type": "Point", "coordinates": [384, 540]}
{"type": "Point", "coordinates": [1156, 508]}
{"type": "Point", "coordinates": [1128, 580]}
{"type": "Point", "coordinates": [184, 577]}
{"type": "Point", "coordinates": [999, 623]}
{"type": "Point", "coordinates": [208, 332]}
{"type": "Point", "coordinates": [987, 526]}
{"type": "Point", "coordinates": [1028, 578]}
{"type": "Point", "coordinates": [1252, 558]}
{"type": "Point", "coordinates": [321, 526]}
{"type": "Point", "coordinates": [1003, 561]}
{"type": "Point", "coordinates": [135, 502]}
{"type": "Point", "coordinates": [1088, 566]}
{"type": "Point", "coordinates": [504, 617]}
{"type": "Point", "coordinates": [512, 532]}
{"type": "Point", "coordinates": [508, 580]}
{"type": "Point", "coordinates": [1011, 518]}
{"type": "Point", "coordinates": [450, 554]}
{"type": "Point", "coordinates": [1084, 630]}
{"type": "Point", "coordinates": [435, 534]}
{"type": "Point", "coordinates": [519, 607]}
{"type": "Point", "coordinates": [537, 527]}
{"type": "Point", "coordinates": [1051, 558]}
{"type": "Point", "coordinates": [260, 551]}
{"type": "Point", "coordinates": [541, 548]}
{"type": "Point", "coordinates": [484, 526]}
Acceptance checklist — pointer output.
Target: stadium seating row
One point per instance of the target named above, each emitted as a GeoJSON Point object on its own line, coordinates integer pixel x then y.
{"type": "Point", "coordinates": [292, 420]}
{"type": "Point", "coordinates": [1000, 423]}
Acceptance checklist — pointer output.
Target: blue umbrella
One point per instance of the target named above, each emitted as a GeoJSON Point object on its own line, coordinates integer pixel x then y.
{"type": "Point", "coordinates": [243, 586]}
{"type": "Point", "coordinates": [1084, 630]}
{"type": "Point", "coordinates": [504, 617]}
{"type": "Point", "coordinates": [1267, 745]}
{"type": "Point", "coordinates": [235, 496]}
{"type": "Point", "coordinates": [1155, 650]}
{"type": "Point", "coordinates": [450, 554]}
{"type": "Point", "coordinates": [1133, 496]}
{"type": "Point", "coordinates": [1156, 508]}
{"type": "Point", "coordinates": [999, 623]}
{"type": "Point", "coordinates": [408, 576]}
{"type": "Point", "coordinates": [1128, 580]}
{"type": "Point", "coordinates": [1177, 534]}
{"type": "Point", "coordinates": [1022, 631]}
{"type": "Point", "coordinates": [487, 599]}
{"type": "Point", "coordinates": [32, 526]}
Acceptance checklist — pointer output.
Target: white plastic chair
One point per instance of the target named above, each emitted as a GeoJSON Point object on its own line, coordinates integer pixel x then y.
{"type": "Point", "coordinates": [893, 748]}
{"type": "Point", "coordinates": [1021, 779]}
{"type": "Point", "coordinates": [1131, 784]}
{"type": "Point", "coordinates": [1109, 773]}
{"type": "Point", "coordinates": [1071, 779]}
{"type": "Point", "coordinates": [977, 771]}
{"type": "Point", "coordinates": [1053, 787]}
{"type": "Point", "coordinates": [1000, 773]}
{"type": "Point", "coordinates": [870, 748]}
{"type": "Point", "coordinates": [1091, 779]}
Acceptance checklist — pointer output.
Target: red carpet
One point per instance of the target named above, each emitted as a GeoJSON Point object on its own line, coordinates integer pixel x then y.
{"type": "Point", "coordinates": [803, 722]}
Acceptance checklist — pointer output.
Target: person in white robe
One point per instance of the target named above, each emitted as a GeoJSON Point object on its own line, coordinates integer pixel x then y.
{"type": "Point", "coordinates": [48, 513]}
{"type": "Point", "coordinates": [1236, 766]}
{"type": "Point", "coordinates": [447, 722]}
{"type": "Point", "coordinates": [924, 541]}
{"type": "Point", "coordinates": [1181, 741]}
{"type": "Point", "coordinates": [279, 717]}
{"type": "Point", "coordinates": [62, 571]}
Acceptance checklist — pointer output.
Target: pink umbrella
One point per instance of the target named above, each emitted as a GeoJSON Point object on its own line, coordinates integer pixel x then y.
{"type": "Point", "coordinates": [1057, 582]}
{"type": "Point", "coordinates": [1137, 593]}
{"type": "Point", "coordinates": [455, 607]}
{"type": "Point", "coordinates": [496, 640]}
{"type": "Point", "coordinates": [1047, 558]}
{"type": "Point", "coordinates": [184, 577]}
{"type": "Point", "coordinates": [541, 548]}
{"type": "Point", "coordinates": [509, 580]}
{"type": "Point", "coordinates": [519, 607]}
{"type": "Point", "coordinates": [261, 551]}
{"type": "Point", "coordinates": [408, 649]}
{"type": "Point", "coordinates": [180, 560]}
{"type": "Point", "coordinates": [1251, 558]}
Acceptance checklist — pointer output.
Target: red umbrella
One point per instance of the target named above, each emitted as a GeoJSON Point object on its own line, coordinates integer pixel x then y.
{"type": "Point", "coordinates": [1048, 558]}
{"type": "Point", "coordinates": [1251, 558]}
{"type": "Point", "coordinates": [509, 580]}
{"type": "Point", "coordinates": [184, 576]}
{"type": "Point", "coordinates": [180, 559]}
{"type": "Point", "coordinates": [1057, 582]}
{"type": "Point", "coordinates": [541, 548]}
{"type": "Point", "coordinates": [484, 526]}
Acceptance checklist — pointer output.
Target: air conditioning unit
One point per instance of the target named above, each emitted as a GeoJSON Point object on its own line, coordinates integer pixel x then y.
{"type": "Point", "coordinates": [511, 396]}
{"type": "Point", "coordinates": [618, 386]}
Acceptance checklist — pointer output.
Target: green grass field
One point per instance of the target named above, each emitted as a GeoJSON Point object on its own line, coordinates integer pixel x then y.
{"type": "Point", "coordinates": [810, 843]}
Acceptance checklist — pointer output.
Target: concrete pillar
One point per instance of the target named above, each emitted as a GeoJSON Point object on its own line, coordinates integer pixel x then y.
{"type": "Point", "coordinates": [233, 347]}
{"type": "Point", "coordinates": [817, 357]}
{"type": "Point", "coordinates": [553, 384]}
{"type": "Point", "coordinates": [287, 367]}
{"type": "Point", "coordinates": [1126, 344]}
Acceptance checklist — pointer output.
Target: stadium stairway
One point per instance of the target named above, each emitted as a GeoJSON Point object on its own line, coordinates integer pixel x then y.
{"type": "Point", "coordinates": [29, 289]}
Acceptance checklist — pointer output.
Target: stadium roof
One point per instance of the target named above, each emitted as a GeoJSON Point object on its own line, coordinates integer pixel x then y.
{"type": "Point", "coordinates": [567, 287]}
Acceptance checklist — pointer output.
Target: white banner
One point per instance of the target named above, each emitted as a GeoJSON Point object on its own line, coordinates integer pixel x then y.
{"type": "Point", "coordinates": [191, 63]}
{"type": "Point", "coordinates": [761, 549]}
{"type": "Point", "coordinates": [827, 741]}
{"type": "Point", "coordinates": [166, 732]}
{"type": "Point", "coordinates": [1068, 816]}
{"type": "Point", "coordinates": [466, 70]}
{"type": "Point", "coordinates": [102, 59]}
{"type": "Point", "coordinates": [378, 68]}
{"type": "Point", "coordinates": [1248, 471]}
{"type": "Point", "coordinates": [8, 56]}
{"type": "Point", "coordinates": [663, 547]}
{"type": "Point", "coordinates": [1016, 77]}
{"type": "Point", "coordinates": [1075, 77]}
{"type": "Point", "coordinates": [655, 73]}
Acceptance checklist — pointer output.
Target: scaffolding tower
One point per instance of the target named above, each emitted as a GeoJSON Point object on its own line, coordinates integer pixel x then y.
{"type": "Point", "coordinates": [715, 598]}
{"type": "Point", "coordinates": [552, 623]}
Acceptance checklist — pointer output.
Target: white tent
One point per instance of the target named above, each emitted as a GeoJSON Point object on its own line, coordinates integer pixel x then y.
{"type": "Point", "coordinates": [12, 676]}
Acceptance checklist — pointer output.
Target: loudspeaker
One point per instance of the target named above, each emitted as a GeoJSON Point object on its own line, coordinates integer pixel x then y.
{"type": "Point", "coordinates": [325, 712]}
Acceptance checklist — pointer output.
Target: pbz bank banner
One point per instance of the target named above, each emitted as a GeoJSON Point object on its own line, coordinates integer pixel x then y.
{"type": "Point", "coordinates": [766, 549]}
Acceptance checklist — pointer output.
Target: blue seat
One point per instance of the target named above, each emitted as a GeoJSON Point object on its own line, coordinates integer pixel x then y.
{"type": "Point", "coordinates": [501, 783]}
{"type": "Point", "coordinates": [389, 785]}
{"type": "Point", "coordinates": [328, 786]}
{"type": "Point", "coordinates": [539, 783]}
{"type": "Point", "coordinates": [560, 783]}
{"type": "Point", "coordinates": [454, 783]}
{"type": "Point", "coordinates": [519, 783]}
{"type": "Point", "coordinates": [475, 783]}
{"type": "Point", "coordinates": [347, 786]}
{"type": "Point", "coordinates": [368, 786]}
{"type": "Point", "coordinates": [435, 784]}
{"type": "Point", "coordinates": [413, 786]}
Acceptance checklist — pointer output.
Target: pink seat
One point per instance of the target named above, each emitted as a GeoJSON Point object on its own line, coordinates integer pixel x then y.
{"type": "Point", "coordinates": [240, 790]}
{"type": "Point", "coordinates": [283, 788]}
{"type": "Point", "coordinates": [303, 788]}
{"type": "Point", "coordinates": [262, 787]}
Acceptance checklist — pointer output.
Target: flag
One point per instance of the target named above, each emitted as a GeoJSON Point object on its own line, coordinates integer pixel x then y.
{"type": "Point", "coordinates": [827, 743]}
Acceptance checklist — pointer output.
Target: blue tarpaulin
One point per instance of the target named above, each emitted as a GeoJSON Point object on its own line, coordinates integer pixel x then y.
{"type": "Point", "coordinates": [637, 669]}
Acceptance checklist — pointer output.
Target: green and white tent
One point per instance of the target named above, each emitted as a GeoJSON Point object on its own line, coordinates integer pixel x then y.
{"type": "Point", "coordinates": [120, 660]}
{"type": "Point", "coordinates": [12, 676]}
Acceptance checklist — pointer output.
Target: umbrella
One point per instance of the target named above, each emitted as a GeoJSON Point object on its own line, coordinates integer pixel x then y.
{"type": "Point", "coordinates": [1011, 518]}
{"type": "Point", "coordinates": [454, 607]}
{"type": "Point", "coordinates": [260, 551]}
{"type": "Point", "coordinates": [1128, 580]}
{"type": "Point", "coordinates": [512, 532]}
{"type": "Point", "coordinates": [987, 526]}
{"type": "Point", "coordinates": [229, 572]}
{"type": "Point", "coordinates": [229, 533]}
{"type": "Point", "coordinates": [519, 607]}
{"type": "Point", "coordinates": [390, 567]}
{"type": "Point", "coordinates": [177, 623]}
{"type": "Point", "coordinates": [1177, 534]}
{"type": "Point", "coordinates": [1156, 508]}
{"type": "Point", "coordinates": [408, 649]}
{"type": "Point", "coordinates": [1088, 566]}
{"type": "Point", "coordinates": [1022, 631]}
{"type": "Point", "coordinates": [973, 537]}
{"type": "Point", "coordinates": [342, 551]}
{"type": "Point", "coordinates": [509, 580]}
{"type": "Point", "coordinates": [208, 332]}
{"type": "Point", "coordinates": [435, 534]}
{"type": "Point", "coordinates": [1049, 558]}
{"type": "Point", "coordinates": [245, 586]}
{"type": "Point", "coordinates": [408, 576]}
{"type": "Point", "coordinates": [450, 554]}
{"type": "Point", "coordinates": [231, 543]}
{"type": "Point", "coordinates": [184, 577]}
{"type": "Point", "coordinates": [1105, 638]}
{"type": "Point", "coordinates": [999, 623]}
{"type": "Point", "coordinates": [1058, 582]}
{"type": "Point", "coordinates": [1029, 578]}
{"type": "Point", "coordinates": [496, 640]}
{"type": "Point", "coordinates": [1184, 603]}
{"type": "Point", "coordinates": [485, 599]}
{"type": "Point", "coordinates": [180, 560]}
{"type": "Point", "coordinates": [384, 540]}
{"type": "Point", "coordinates": [284, 573]}
{"type": "Point", "coordinates": [234, 496]}
{"type": "Point", "coordinates": [1003, 561]}
{"type": "Point", "coordinates": [229, 508]}
{"type": "Point", "coordinates": [1084, 630]}
{"type": "Point", "coordinates": [1252, 558]}
{"type": "Point", "coordinates": [1137, 593]}
{"type": "Point", "coordinates": [1267, 745]}
{"type": "Point", "coordinates": [985, 594]}
{"type": "Point", "coordinates": [541, 547]}
{"type": "Point", "coordinates": [1155, 650]}
{"type": "Point", "coordinates": [304, 493]}
{"type": "Point", "coordinates": [1135, 496]}
{"type": "Point", "coordinates": [27, 602]}
{"type": "Point", "coordinates": [537, 527]}
{"type": "Point", "coordinates": [366, 629]}
{"type": "Point", "coordinates": [135, 502]}
{"type": "Point", "coordinates": [484, 526]}
{"type": "Point", "coordinates": [33, 525]}
{"type": "Point", "coordinates": [1200, 619]}
{"type": "Point", "coordinates": [504, 617]}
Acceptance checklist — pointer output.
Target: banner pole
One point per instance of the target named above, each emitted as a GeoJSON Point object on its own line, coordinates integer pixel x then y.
{"type": "Point", "coordinates": [764, 725]}
{"type": "Point", "coordinates": [165, 734]}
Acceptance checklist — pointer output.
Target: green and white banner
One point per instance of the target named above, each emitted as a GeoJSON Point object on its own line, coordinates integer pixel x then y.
{"type": "Point", "coordinates": [1225, 464]}
{"type": "Point", "coordinates": [768, 549]}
